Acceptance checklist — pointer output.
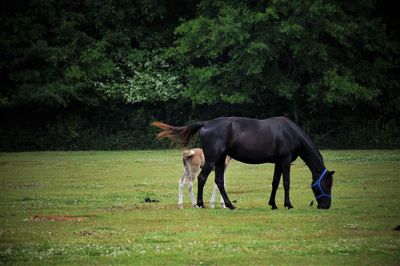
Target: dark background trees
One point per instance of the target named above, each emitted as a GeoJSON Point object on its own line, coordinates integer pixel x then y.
{"type": "Point", "coordinates": [93, 74]}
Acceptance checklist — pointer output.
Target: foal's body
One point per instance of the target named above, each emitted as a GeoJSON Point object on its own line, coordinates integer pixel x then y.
{"type": "Point", "coordinates": [275, 140]}
{"type": "Point", "coordinates": [193, 161]}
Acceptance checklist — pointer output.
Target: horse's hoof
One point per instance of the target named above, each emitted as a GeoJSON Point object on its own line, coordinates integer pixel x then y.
{"type": "Point", "coordinates": [212, 205]}
{"type": "Point", "coordinates": [273, 205]}
{"type": "Point", "coordinates": [230, 206]}
{"type": "Point", "coordinates": [180, 206]}
{"type": "Point", "coordinates": [288, 205]}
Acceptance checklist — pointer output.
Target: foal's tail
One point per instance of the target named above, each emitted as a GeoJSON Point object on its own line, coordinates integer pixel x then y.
{"type": "Point", "coordinates": [181, 135]}
{"type": "Point", "coordinates": [187, 153]}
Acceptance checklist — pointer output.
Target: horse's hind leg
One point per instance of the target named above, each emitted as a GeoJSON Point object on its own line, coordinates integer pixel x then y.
{"type": "Point", "coordinates": [275, 185]}
{"type": "Point", "coordinates": [222, 199]}
{"type": "Point", "coordinates": [286, 181]}
{"type": "Point", "coordinates": [219, 180]}
{"type": "Point", "coordinates": [202, 178]}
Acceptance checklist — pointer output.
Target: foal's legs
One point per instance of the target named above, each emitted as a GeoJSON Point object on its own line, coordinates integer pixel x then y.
{"type": "Point", "coordinates": [202, 178]}
{"type": "Point", "coordinates": [193, 171]}
{"type": "Point", "coordinates": [182, 182]}
{"type": "Point", "coordinates": [219, 180]}
{"type": "Point", "coordinates": [275, 184]}
{"type": "Point", "coordinates": [286, 181]}
{"type": "Point", "coordinates": [214, 194]}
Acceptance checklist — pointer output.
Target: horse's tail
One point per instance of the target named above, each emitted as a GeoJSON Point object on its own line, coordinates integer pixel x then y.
{"type": "Point", "coordinates": [181, 135]}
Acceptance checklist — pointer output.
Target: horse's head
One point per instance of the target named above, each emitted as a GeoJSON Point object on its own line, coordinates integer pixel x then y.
{"type": "Point", "coordinates": [322, 189]}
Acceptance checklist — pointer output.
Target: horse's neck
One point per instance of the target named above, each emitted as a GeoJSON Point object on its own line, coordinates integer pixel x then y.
{"type": "Point", "coordinates": [313, 159]}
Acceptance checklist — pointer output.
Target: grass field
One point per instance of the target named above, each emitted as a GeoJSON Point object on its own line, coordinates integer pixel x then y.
{"type": "Point", "coordinates": [89, 208]}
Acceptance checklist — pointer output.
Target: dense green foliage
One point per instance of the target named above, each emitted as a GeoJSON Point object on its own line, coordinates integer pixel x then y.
{"type": "Point", "coordinates": [83, 64]}
{"type": "Point", "coordinates": [63, 52]}
{"type": "Point", "coordinates": [100, 196]}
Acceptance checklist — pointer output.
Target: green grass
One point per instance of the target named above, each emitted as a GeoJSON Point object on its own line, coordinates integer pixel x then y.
{"type": "Point", "coordinates": [103, 193]}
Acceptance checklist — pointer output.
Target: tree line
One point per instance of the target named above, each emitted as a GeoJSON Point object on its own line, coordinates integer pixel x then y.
{"type": "Point", "coordinates": [93, 74]}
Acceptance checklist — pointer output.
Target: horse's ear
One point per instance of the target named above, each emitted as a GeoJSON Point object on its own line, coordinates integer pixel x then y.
{"type": "Point", "coordinates": [331, 173]}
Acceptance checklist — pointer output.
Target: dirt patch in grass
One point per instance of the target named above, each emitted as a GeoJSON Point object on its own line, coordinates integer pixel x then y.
{"type": "Point", "coordinates": [86, 233]}
{"type": "Point", "coordinates": [125, 208]}
{"type": "Point", "coordinates": [140, 207]}
{"type": "Point", "coordinates": [63, 218]}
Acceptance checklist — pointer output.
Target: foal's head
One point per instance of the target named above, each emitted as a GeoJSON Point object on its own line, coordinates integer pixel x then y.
{"type": "Point", "coordinates": [322, 189]}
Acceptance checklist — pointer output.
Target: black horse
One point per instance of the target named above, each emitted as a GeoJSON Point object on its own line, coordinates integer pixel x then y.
{"type": "Point", "coordinates": [275, 140]}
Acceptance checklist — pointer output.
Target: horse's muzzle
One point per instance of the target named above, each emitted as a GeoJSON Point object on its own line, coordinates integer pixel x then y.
{"type": "Point", "coordinates": [324, 206]}
{"type": "Point", "coordinates": [324, 203]}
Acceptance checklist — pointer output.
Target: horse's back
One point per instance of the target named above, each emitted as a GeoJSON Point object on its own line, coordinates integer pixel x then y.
{"type": "Point", "coordinates": [249, 140]}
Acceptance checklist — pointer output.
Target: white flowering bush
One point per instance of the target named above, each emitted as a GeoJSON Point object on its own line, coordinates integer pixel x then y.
{"type": "Point", "coordinates": [149, 81]}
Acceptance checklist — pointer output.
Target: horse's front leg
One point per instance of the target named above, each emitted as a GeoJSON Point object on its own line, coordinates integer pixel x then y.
{"type": "Point", "coordinates": [275, 185]}
{"type": "Point", "coordinates": [286, 181]}
{"type": "Point", "coordinates": [219, 180]}
{"type": "Point", "coordinates": [202, 178]}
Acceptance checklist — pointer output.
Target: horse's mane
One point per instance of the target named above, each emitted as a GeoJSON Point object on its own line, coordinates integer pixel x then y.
{"type": "Point", "coordinates": [307, 142]}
